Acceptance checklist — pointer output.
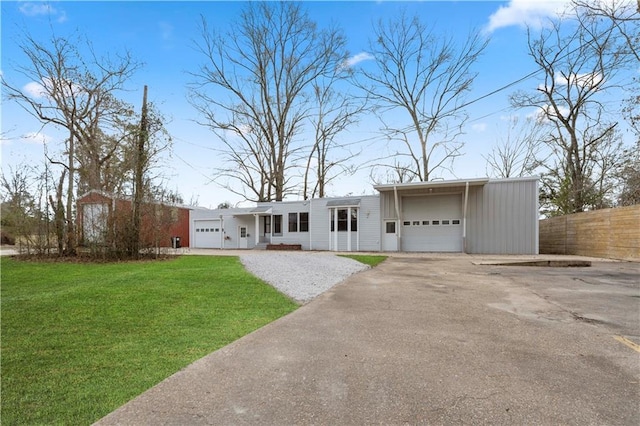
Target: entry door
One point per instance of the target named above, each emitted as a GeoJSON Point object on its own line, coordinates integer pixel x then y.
{"type": "Point", "coordinates": [243, 240]}
{"type": "Point", "coordinates": [390, 239]}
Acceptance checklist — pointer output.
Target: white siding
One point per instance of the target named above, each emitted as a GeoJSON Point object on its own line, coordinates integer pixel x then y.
{"type": "Point", "coordinates": [369, 224]}
{"type": "Point", "coordinates": [284, 208]}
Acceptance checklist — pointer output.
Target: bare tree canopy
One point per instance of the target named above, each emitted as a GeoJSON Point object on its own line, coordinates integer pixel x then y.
{"type": "Point", "coordinates": [255, 91]}
{"type": "Point", "coordinates": [581, 65]}
{"type": "Point", "coordinates": [74, 90]}
{"type": "Point", "coordinates": [424, 74]}
{"type": "Point", "coordinates": [517, 153]}
{"type": "Point", "coordinates": [334, 111]}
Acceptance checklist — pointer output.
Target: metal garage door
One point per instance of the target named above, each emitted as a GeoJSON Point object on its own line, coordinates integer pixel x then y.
{"type": "Point", "coordinates": [432, 223]}
{"type": "Point", "coordinates": [207, 233]}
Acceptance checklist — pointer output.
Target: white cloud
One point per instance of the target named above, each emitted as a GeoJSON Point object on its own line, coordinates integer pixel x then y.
{"type": "Point", "coordinates": [480, 127]}
{"type": "Point", "coordinates": [36, 137]}
{"type": "Point", "coordinates": [356, 59]}
{"type": "Point", "coordinates": [35, 90]}
{"type": "Point", "coordinates": [525, 13]}
{"type": "Point", "coordinates": [29, 8]}
{"type": "Point", "coordinates": [166, 30]}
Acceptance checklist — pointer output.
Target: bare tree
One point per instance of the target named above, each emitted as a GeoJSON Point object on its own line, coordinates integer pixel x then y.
{"type": "Point", "coordinates": [254, 91]}
{"type": "Point", "coordinates": [73, 91]}
{"type": "Point", "coordinates": [426, 75]}
{"type": "Point", "coordinates": [624, 16]}
{"type": "Point", "coordinates": [517, 153]}
{"type": "Point", "coordinates": [579, 69]}
{"type": "Point", "coordinates": [336, 109]}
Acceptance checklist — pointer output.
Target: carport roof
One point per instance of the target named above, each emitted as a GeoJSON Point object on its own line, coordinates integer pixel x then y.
{"type": "Point", "coordinates": [432, 184]}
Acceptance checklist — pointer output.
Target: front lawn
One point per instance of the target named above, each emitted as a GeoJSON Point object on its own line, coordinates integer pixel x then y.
{"type": "Point", "coordinates": [79, 340]}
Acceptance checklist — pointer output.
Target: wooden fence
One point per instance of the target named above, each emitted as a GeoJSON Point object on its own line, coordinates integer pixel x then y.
{"type": "Point", "coordinates": [608, 233]}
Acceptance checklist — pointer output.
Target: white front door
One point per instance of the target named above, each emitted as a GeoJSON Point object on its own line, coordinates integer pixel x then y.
{"type": "Point", "coordinates": [242, 237]}
{"type": "Point", "coordinates": [390, 239]}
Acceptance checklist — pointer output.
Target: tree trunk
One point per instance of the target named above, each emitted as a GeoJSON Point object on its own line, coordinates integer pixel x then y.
{"type": "Point", "coordinates": [138, 184]}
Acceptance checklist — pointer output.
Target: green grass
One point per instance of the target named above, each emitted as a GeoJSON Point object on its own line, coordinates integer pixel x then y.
{"type": "Point", "coordinates": [370, 260]}
{"type": "Point", "coordinates": [79, 340]}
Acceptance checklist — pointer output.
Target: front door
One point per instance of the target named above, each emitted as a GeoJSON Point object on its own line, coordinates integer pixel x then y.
{"type": "Point", "coordinates": [243, 240]}
{"type": "Point", "coordinates": [390, 239]}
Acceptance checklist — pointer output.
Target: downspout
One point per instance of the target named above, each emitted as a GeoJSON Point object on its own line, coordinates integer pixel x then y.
{"type": "Point", "coordinates": [464, 218]}
{"type": "Point", "coordinates": [399, 227]}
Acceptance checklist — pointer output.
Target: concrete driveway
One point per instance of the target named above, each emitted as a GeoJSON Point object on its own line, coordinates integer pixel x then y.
{"type": "Point", "coordinates": [427, 340]}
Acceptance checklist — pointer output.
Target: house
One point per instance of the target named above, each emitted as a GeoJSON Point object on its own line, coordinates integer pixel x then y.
{"type": "Point", "coordinates": [468, 215]}
{"type": "Point", "coordinates": [102, 218]}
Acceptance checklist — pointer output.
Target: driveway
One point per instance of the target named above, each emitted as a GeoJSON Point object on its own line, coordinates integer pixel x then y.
{"type": "Point", "coordinates": [427, 340]}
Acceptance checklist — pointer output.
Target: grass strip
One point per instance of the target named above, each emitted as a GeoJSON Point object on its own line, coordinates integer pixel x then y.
{"type": "Point", "coordinates": [371, 260]}
{"type": "Point", "coordinates": [79, 340]}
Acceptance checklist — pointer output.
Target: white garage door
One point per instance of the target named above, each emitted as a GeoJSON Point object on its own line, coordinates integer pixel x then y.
{"type": "Point", "coordinates": [432, 223]}
{"type": "Point", "coordinates": [207, 233]}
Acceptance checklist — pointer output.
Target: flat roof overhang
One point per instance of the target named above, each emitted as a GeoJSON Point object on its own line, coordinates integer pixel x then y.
{"type": "Point", "coordinates": [431, 184]}
{"type": "Point", "coordinates": [258, 211]}
{"type": "Point", "coordinates": [344, 202]}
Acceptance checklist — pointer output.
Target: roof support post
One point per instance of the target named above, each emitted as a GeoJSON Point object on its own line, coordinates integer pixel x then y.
{"type": "Point", "coordinates": [398, 218]}
{"type": "Point", "coordinates": [464, 218]}
{"type": "Point", "coordinates": [256, 233]}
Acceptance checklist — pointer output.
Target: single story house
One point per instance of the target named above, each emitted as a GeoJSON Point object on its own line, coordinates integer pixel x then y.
{"type": "Point", "coordinates": [489, 216]}
{"type": "Point", "coordinates": [103, 217]}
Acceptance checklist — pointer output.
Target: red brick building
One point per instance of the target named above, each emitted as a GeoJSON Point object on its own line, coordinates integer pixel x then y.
{"type": "Point", "coordinates": [103, 218]}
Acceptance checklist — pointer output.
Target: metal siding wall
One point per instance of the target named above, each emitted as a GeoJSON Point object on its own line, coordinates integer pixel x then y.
{"type": "Point", "coordinates": [502, 218]}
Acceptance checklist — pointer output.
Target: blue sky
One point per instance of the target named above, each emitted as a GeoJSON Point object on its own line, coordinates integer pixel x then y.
{"type": "Point", "coordinates": [162, 35]}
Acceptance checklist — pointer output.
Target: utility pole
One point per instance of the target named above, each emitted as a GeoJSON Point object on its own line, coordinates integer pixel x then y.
{"type": "Point", "coordinates": [138, 190]}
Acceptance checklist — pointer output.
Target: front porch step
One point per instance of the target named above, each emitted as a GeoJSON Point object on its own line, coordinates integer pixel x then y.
{"type": "Point", "coordinates": [260, 246]}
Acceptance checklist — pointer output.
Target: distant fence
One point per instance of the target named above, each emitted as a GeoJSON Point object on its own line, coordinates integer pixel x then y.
{"type": "Point", "coordinates": [608, 233]}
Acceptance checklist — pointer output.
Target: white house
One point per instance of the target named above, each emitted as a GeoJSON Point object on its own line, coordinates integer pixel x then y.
{"type": "Point", "coordinates": [466, 215]}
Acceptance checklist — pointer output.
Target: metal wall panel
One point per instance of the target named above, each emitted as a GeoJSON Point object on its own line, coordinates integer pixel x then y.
{"type": "Point", "coordinates": [502, 217]}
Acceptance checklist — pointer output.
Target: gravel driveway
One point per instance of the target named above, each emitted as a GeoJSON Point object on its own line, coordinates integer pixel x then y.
{"type": "Point", "coordinates": [301, 276]}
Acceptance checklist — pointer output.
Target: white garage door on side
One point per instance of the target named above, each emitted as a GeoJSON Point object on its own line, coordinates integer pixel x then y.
{"type": "Point", "coordinates": [207, 233]}
{"type": "Point", "coordinates": [432, 223]}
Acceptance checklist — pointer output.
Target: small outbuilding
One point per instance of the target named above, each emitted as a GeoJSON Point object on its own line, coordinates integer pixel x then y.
{"type": "Point", "coordinates": [102, 217]}
{"type": "Point", "coordinates": [469, 215]}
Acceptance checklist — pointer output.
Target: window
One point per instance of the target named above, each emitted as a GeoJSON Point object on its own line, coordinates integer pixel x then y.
{"type": "Point", "coordinates": [416, 223]}
{"type": "Point", "coordinates": [343, 220]}
{"type": "Point", "coordinates": [406, 223]}
{"type": "Point", "coordinates": [425, 222]}
{"type": "Point", "coordinates": [435, 222]}
{"type": "Point", "coordinates": [267, 225]}
{"type": "Point", "coordinates": [445, 222]}
{"type": "Point", "coordinates": [277, 224]}
{"type": "Point", "coordinates": [197, 229]}
{"type": "Point", "coordinates": [390, 227]}
{"type": "Point", "coordinates": [304, 222]}
{"type": "Point", "coordinates": [293, 222]}
{"type": "Point", "coordinates": [455, 222]}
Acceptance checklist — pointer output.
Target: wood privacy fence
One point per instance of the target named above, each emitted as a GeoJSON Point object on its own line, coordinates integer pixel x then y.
{"type": "Point", "coordinates": [608, 233]}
